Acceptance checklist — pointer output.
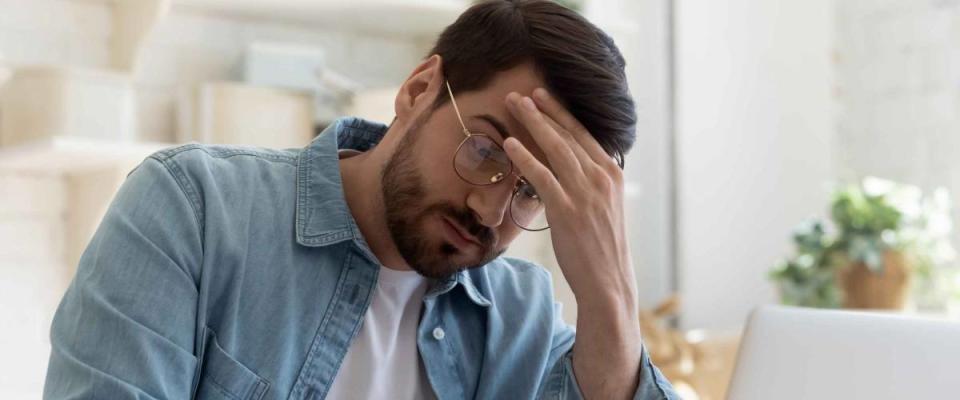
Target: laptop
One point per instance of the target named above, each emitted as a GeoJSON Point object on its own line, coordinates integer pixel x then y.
{"type": "Point", "coordinates": [798, 353]}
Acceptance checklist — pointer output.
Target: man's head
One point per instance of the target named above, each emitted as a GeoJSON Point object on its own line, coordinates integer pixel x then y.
{"type": "Point", "coordinates": [493, 49]}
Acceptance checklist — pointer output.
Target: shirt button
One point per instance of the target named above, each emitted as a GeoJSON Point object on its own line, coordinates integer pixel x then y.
{"type": "Point", "coordinates": [438, 333]}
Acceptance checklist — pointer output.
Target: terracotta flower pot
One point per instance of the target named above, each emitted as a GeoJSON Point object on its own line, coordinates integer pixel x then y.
{"type": "Point", "coordinates": [886, 289]}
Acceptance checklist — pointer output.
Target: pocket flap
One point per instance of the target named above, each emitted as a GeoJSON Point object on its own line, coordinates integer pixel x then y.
{"type": "Point", "coordinates": [228, 375]}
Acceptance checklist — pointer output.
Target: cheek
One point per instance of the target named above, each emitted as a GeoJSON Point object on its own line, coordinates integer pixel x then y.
{"type": "Point", "coordinates": [508, 231]}
{"type": "Point", "coordinates": [434, 149]}
{"type": "Point", "coordinates": [441, 180]}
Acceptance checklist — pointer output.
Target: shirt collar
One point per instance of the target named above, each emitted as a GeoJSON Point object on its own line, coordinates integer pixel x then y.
{"type": "Point", "coordinates": [469, 284]}
{"type": "Point", "coordinates": [322, 215]}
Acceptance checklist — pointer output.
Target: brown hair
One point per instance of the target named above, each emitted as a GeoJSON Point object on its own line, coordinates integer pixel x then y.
{"type": "Point", "coordinates": [579, 63]}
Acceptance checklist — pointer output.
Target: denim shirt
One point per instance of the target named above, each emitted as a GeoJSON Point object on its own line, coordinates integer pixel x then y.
{"type": "Point", "coordinates": [229, 272]}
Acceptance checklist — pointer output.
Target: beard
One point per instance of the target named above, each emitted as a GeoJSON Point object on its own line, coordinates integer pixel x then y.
{"type": "Point", "coordinates": [407, 212]}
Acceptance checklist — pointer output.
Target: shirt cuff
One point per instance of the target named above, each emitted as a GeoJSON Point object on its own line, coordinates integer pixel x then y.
{"type": "Point", "coordinates": [652, 384]}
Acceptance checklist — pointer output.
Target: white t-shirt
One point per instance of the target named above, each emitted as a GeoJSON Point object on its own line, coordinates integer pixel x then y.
{"type": "Point", "coordinates": [382, 361]}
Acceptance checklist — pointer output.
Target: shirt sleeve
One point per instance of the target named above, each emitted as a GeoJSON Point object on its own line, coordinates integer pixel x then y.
{"type": "Point", "coordinates": [561, 383]}
{"type": "Point", "coordinates": [125, 328]}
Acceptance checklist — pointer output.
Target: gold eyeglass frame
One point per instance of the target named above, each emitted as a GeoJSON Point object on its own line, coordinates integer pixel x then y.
{"type": "Point", "coordinates": [495, 179]}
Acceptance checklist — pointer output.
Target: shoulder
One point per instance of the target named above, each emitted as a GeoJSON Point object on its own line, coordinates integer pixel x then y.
{"type": "Point", "coordinates": [196, 153]}
{"type": "Point", "coordinates": [225, 165]}
{"type": "Point", "coordinates": [226, 174]}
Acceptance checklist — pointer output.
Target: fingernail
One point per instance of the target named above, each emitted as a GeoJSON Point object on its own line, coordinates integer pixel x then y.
{"type": "Point", "coordinates": [528, 103]}
{"type": "Point", "coordinates": [540, 93]}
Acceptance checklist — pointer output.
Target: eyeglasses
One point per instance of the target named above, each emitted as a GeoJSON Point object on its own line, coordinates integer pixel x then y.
{"type": "Point", "coordinates": [480, 161]}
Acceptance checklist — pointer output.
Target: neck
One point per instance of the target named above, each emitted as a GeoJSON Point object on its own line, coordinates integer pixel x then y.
{"type": "Point", "coordinates": [362, 176]}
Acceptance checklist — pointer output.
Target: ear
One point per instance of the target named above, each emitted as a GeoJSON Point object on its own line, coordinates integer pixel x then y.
{"type": "Point", "coordinates": [420, 90]}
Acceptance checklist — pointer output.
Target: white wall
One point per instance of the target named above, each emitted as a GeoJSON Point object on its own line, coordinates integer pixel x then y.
{"type": "Point", "coordinates": [54, 32]}
{"type": "Point", "coordinates": [649, 203]}
{"type": "Point", "coordinates": [898, 76]}
{"type": "Point", "coordinates": [754, 142]}
{"type": "Point", "coordinates": [32, 277]}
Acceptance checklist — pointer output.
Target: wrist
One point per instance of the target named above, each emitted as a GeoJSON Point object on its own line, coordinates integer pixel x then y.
{"type": "Point", "coordinates": [618, 316]}
{"type": "Point", "coordinates": [612, 299]}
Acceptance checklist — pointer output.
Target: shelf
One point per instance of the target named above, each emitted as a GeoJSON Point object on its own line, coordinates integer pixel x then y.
{"type": "Point", "coordinates": [133, 20]}
{"type": "Point", "coordinates": [61, 119]}
{"type": "Point", "coordinates": [71, 154]}
{"type": "Point", "coordinates": [404, 17]}
{"type": "Point", "coordinates": [237, 113]}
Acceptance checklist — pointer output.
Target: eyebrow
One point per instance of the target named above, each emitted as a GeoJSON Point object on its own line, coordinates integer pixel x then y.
{"type": "Point", "coordinates": [499, 126]}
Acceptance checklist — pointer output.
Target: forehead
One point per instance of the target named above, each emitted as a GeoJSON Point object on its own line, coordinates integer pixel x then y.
{"type": "Point", "coordinates": [491, 100]}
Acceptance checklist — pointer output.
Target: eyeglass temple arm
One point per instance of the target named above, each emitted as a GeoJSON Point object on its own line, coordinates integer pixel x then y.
{"type": "Point", "coordinates": [456, 109]}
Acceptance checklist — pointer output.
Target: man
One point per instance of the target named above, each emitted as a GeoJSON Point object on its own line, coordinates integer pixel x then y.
{"type": "Point", "coordinates": [366, 265]}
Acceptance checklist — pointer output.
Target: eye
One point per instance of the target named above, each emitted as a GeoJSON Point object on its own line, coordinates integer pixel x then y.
{"type": "Point", "coordinates": [527, 191]}
{"type": "Point", "coordinates": [485, 152]}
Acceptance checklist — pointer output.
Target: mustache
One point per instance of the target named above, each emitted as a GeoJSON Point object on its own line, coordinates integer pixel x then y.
{"type": "Point", "coordinates": [468, 220]}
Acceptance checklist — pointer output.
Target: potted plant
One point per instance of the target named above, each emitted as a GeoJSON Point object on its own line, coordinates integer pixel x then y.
{"type": "Point", "coordinates": [807, 278]}
{"type": "Point", "coordinates": [869, 250]}
{"type": "Point", "coordinates": [885, 236]}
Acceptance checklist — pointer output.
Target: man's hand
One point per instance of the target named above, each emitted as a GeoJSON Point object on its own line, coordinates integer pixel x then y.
{"type": "Point", "coordinates": [583, 196]}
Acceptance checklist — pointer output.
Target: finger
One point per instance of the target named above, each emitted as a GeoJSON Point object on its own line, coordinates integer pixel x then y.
{"type": "Point", "coordinates": [552, 107]}
{"type": "Point", "coordinates": [558, 151]}
{"type": "Point", "coordinates": [586, 161]}
{"type": "Point", "coordinates": [534, 171]}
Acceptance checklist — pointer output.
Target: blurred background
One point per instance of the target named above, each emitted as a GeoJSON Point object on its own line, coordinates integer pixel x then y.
{"type": "Point", "coordinates": [802, 152]}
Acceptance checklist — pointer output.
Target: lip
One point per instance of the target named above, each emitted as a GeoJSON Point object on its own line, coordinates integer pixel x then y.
{"type": "Point", "coordinates": [459, 236]}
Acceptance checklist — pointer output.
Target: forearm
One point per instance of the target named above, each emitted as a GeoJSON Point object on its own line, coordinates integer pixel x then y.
{"type": "Point", "coordinates": [606, 355]}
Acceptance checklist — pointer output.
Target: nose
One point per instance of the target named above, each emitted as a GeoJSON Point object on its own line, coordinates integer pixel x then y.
{"type": "Point", "coordinates": [490, 202]}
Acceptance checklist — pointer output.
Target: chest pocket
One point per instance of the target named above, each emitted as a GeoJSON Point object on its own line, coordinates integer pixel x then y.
{"type": "Point", "coordinates": [223, 378]}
